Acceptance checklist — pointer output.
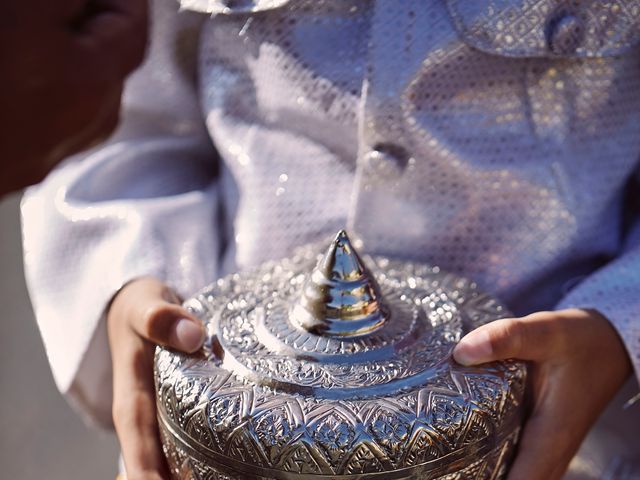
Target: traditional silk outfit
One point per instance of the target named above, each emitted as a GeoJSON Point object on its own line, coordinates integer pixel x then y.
{"type": "Point", "coordinates": [498, 139]}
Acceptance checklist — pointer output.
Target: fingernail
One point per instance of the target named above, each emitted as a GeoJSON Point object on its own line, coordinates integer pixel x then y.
{"type": "Point", "coordinates": [473, 349]}
{"type": "Point", "coordinates": [190, 335]}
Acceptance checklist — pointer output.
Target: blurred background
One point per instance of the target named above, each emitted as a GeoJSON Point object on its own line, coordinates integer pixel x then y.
{"type": "Point", "coordinates": [40, 436]}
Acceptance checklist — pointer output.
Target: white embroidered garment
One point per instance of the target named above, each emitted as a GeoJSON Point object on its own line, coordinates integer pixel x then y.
{"type": "Point", "coordinates": [498, 139]}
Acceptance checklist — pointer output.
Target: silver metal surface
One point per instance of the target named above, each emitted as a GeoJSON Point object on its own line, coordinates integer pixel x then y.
{"type": "Point", "coordinates": [322, 367]}
{"type": "Point", "coordinates": [340, 298]}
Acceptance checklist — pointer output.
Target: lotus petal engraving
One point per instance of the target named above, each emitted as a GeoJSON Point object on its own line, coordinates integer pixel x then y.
{"type": "Point", "coordinates": [423, 447]}
{"type": "Point", "coordinates": [366, 458]}
{"type": "Point", "coordinates": [303, 458]}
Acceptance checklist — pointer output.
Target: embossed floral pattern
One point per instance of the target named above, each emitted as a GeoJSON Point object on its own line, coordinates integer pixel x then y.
{"type": "Point", "coordinates": [280, 399]}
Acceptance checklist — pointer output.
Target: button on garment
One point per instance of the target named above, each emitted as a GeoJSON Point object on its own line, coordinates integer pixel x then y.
{"type": "Point", "coordinates": [565, 34]}
{"type": "Point", "coordinates": [386, 160]}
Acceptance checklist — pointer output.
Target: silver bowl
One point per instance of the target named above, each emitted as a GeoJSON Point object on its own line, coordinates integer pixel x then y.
{"type": "Point", "coordinates": [338, 367]}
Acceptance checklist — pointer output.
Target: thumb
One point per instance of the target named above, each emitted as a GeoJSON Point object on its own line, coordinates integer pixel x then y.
{"type": "Point", "coordinates": [170, 325]}
{"type": "Point", "coordinates": [153, 311]}
{"type": "Point", "coordinates": [528, 338]}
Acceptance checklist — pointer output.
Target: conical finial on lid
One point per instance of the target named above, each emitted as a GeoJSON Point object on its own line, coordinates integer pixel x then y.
{"type": "Point", "coordinates": [341, 298]}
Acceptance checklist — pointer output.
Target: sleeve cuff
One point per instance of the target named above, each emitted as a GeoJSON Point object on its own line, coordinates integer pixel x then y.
{"type": "Point", "coordinates": [614, 293]}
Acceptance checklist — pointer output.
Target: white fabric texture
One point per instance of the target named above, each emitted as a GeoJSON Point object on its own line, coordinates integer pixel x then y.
{"type": "Point", "coordinates": [145, 204]}
{"type": "Point", "coordinates": [499, 140]}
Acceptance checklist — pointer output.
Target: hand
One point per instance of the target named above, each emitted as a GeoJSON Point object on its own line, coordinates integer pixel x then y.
{"type": "Point", "coordinates": [577, 364]}
{"type": "Point", "coordinates": [144, 313]}
{"type": "Point", "coordinates": [63, 67]}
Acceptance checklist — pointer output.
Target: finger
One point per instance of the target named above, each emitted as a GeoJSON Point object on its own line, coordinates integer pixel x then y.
{"type": "Point", "coordinates": [539, 458]}
{"type": "Point", "coordinates": [171, 326]}
{"type": "Point", "coordinates": [550, 439]}
{"type": "Point", "coordinates": [157, 317]}
{"type": "Point", "coordinates": [134, 411]}
{"type": "Point", "coordinates": [529, 338]}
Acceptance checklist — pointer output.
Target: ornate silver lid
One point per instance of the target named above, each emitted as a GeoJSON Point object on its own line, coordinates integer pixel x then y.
{"type": "Point", "coordinates": [338, 367]}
